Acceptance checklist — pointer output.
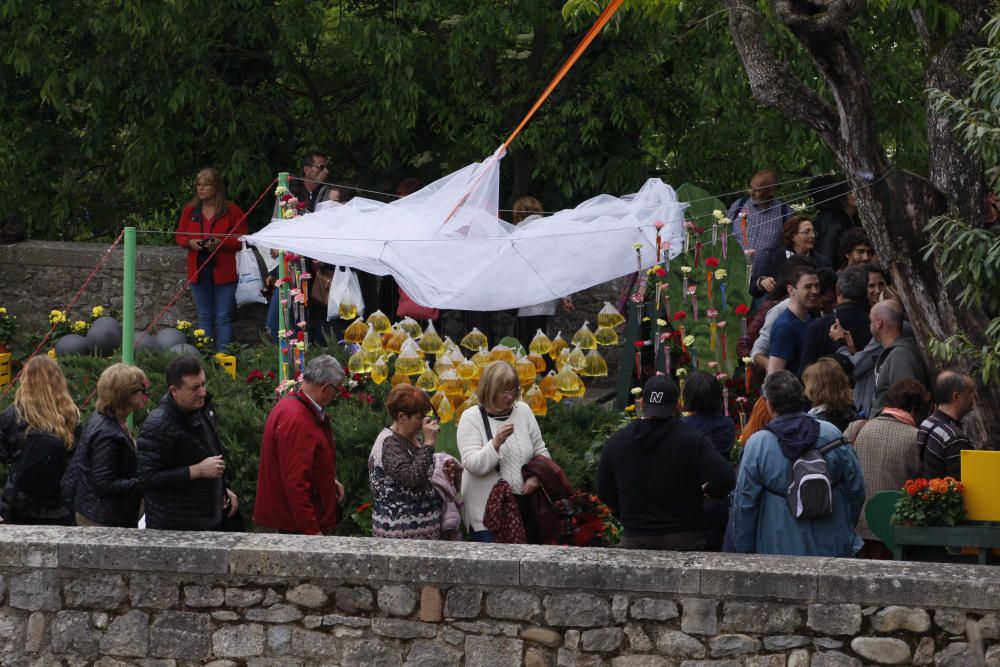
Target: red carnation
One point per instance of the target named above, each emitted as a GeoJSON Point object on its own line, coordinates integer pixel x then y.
{"type": "Point", "coordinates": [742, 309]}
{"type": "Point", "coordinates": [660, 271]}
{"type": "Point", "coordinates": [639, 344]}
{"type": "Point", "coordinates": [712, 262]}
{"type": "Point", "coordinates": [679, 315]}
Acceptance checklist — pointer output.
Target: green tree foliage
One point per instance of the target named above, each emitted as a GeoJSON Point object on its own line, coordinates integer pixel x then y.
{"type": "Point", "coordinates": [112, 107]}
{"type": "Point", "coordinates": [969, 254]}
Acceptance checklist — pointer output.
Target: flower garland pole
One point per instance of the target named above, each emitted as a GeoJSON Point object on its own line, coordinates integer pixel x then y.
{"type": "Point", "coordinates": [282, 293]}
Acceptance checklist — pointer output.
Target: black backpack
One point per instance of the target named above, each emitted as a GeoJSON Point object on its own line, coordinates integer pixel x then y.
{"type": "Point", "coordinates": [810, 490]}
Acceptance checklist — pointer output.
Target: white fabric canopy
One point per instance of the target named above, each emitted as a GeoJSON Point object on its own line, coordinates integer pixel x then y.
{"type": "Point", "coordinates": [446, 246]}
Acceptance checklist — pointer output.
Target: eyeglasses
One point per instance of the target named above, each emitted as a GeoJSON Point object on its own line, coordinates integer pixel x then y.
{"type": "Point", "coordinates": [321, 167]}
{"type": "Point", "coordinates": [138, 390]}
{"type": "Point", "coordinates": [808, 232]}
{"type": "Point", "coordinates": [509, 392]}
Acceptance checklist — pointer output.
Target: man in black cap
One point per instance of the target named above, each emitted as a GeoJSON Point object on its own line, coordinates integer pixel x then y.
{"type": "Point", "coordinates": [655, 472]}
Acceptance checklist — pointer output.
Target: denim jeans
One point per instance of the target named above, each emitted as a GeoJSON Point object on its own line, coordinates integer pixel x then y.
{"type": "Point", "coordinates": [272, 314]}
{"type": "Point", "coordinates": [481, 536]}
{"type": "Point", "coordinates": [215, 305]}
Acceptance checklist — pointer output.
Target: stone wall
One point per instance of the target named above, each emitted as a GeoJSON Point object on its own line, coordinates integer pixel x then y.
{"type": "Point", "coordinates": [44, 275]}
{"type": "Point", "coordinates": [83, 596]}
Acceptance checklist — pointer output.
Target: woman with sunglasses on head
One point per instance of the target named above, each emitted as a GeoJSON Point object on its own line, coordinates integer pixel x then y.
{"type": "Point", "coordinates": [107, 488]}
{"type": "Point", "coordinates": [495, 441]}
{"type": "Point", "coordinates": [210, 229]}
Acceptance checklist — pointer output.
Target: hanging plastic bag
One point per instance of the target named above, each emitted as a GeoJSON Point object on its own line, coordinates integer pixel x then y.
{"type": "Point", "coordinates": [609, 316]}
{"type": "Point", "coordinates": [345, 299]}
{"type": "Point", "coordinates": [249, 285]}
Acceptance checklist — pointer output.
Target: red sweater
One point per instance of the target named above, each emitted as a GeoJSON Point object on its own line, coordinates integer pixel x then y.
{"type": "Point", "coordinates": [295, 484]}
{"type": "Point", "coordinates": [193, 226]}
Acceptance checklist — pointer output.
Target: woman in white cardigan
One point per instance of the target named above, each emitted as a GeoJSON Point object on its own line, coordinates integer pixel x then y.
{"type": "Point", "coordinates": [516, 440]}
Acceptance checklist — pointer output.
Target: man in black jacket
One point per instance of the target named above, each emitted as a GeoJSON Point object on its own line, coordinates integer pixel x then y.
{"type": "Point", "coordinates": [654, 474]}
{"type": "Point", "coordinates": [181, 462]}
{"type": "Point", "coordinates": [850, 315]}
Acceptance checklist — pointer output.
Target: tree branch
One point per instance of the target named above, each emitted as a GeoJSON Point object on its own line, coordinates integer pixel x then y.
{"type": "Point", "coordinates": [771, 82]}
{"type": "Point", "coordinates": [815, 16]}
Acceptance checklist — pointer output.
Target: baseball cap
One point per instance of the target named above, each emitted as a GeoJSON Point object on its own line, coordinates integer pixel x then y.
{"type": "Point", "coordinates": [659, 397]}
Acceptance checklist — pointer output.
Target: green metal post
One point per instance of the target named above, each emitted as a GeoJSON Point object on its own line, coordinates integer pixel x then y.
{"type": "Point", "coordinates": [128, 299]}
{"type": "Point", "coordinates": [282, 296]}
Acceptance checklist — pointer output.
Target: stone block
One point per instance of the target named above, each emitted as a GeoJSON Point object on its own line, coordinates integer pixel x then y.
{"type": "Point", "coordinates": [953, 655]}
{"type": "Point", "coordinates": [315, 645]}
{"type": "Point", "coordinates": [711, 663]}
{"type": "Point", "coordinates": [765, 661]}
{"type": "Point", "coordinates": [35, 591]}
{"type": "Point", "coordinates": [12, 627]}
{"type": "Point", "coordinates": [571, 639]}
{"type": "Point", "coordinates": [674, 644]}
{"type": "Point", "coordinates": [700, 616]}
{"type": "Point", "coordinates": [760, 617]}
{"type": "Point", "coordinates": [397, 600]}
{"type": "Point", "coordinates": [602, 640]}
{"type": "Point", "coordinates": [989, 626]}
{"type": "Point", "coordinates": [798, 658]}
{"type": "Point", "coordinates": [239, 641]}
{"type": "Point", "coordinates": [73, 634]}
{"type": "Point", "coordinates": [222, 663]}
{"type": "Point", "coordinates": [567, 657]}
{"type": "Point", "coordinates": [513, 604]}
{"type": "Point", "coordinates": [427, 653]}
{"type": "Point", "coordinates": [371, 653]}
{"type": "Point", "coordinates": [619, 609]}
{"type": "Point", "coordinates": [243, 597]}
{"type": "Point", "coordinates": [487, 627]}
{"type": "Point", "coordinates": [640, 661]}
{"type": "Point", "coordinates": [225, 615]}
{"type": "Point", "coordinates": [128, 634]}
{"type": "Point", "coordinates": [543, 636]}
{"type": "Point", "coordinates": [534, 657]}
{"type": "Point", "coordinates": [654, 609]}
{"type": "Point", "coordinates": [100, 620]}
{"type": "Point", "coordinates": [354, 598]}
{"type": "Point", "coordinates": [312, 622]}
{"type": "Point", "coordinates": [951, 620]}
{"type": "Point", "coordinates": [311, 557]}
{"type": "Point", "coordinates": [278, 613]}
{"type": "Point", "coordinates": [726, 645]}
{"type": "Point", "coordinates": [34, 636]}
{"type": "Point", "coordinates": [761, 577]}
{"type": "Point", "coordinates": [31, 546]}
{"type": "Point", "coordinates": [180, 634]}
{"type": "Point", "coordinates": [275, 662]}
{"type": "Point", "coordinates": [828, 643]}
{"type": "Point", "coordinates": [149, 591]}
{"type": "Point", "coordinates": [577, 609]}
{"type": "Point", "coordinates": [466, 563]}
{"type": "Point", "coordinates": [453, 636]}
{"type": "Point", "coordinates": [95, 592]}
{"type": "Point", "coordinates": [785, 642]}
{"type": "Point", "coordinates": [157, 551]}
{"type": "Point", "coordinates": [883, 650]}
{"type": "Point", "coordinates": [200, 597]}
{"type": "Point", "coordinates": [834, 659]}
{"type": "Point", "coordinates": [638, 640]}
{"type": "Point", "coordinates": [348, 621]}
{"type": "Point", "coordinates": [992, 656]}
{"type": "Point", "coordinates": [895, 618]}
{"type": "Point", "coordinates": [463, 603]}
{"type": "Point", "coordinates": [924, 653]}
{"type": "Point", "coordinates": [492, 651]}
{"type": "Point", "coordinates": [341, 631]}
{"type": "Point", "coordinates": [394, 627]}
{"type": "Point", "coordinates": [307, 595]}
{"type": "Point", "coordinates": [431, 604]}
{"type": "Point", "coordinates": [610, 569]}
{"type": "Point", "coordinates": [835, 619]}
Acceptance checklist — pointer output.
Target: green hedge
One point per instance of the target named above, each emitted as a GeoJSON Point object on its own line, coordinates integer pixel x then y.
{"type": "Point", "coordinates": [573, 432]}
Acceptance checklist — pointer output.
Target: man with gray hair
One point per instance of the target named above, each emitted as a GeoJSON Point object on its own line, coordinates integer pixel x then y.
{"type": "Point", "coordinates": [297, 487]}
{"type": "Point", "coordinates": [900, 357]}
{"type": "Point", "coordinates": [762, 521]}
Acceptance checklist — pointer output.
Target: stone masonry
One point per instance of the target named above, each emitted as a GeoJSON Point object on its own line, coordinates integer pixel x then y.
{"type": "Point", "coordinates": [110, 597]}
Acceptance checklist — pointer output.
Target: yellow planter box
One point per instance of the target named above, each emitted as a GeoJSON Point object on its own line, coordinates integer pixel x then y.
{"type": "Point", "coordinates": [228, 363]}
{"type": "Point", "coordinates": [5, 369]}
{"type": "Point", "coordinates": [981, 477]}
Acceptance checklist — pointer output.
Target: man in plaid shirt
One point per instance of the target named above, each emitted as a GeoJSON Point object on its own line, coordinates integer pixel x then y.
{"type": "Point", "coordinates": [765, 215]}
{"type": "Point", "coordinates": [941, 438]}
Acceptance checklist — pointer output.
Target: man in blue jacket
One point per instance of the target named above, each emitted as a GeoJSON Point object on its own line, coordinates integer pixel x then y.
{"type": "Point", "coordinates": [762, 521]}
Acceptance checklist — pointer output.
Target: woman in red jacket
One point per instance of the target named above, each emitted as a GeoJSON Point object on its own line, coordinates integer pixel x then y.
{"type": "Point", "coordinates": [210, 228]}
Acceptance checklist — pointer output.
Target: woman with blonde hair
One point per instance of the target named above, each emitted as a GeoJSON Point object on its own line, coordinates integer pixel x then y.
{"type": "Point", "coordinates": [210, 229]}
{"type": "Point", "coordinates": [103, 485]}
{"type": "Point", "coordinates": [37, 434]}
{"type": "Point", "coordinates": [829, 390]}
{"type": "Point", "coordinates": [495, 441]}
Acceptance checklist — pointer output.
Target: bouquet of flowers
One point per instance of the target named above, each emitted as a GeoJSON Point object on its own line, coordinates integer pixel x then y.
{"type": "Point", "coordinates": [930, 502]}
{"type": "Point", "coordinates": [587, 522]}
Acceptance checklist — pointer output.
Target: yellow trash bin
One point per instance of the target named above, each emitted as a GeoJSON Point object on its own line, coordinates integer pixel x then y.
{"type": "Point", "coordinates": [228, 363]}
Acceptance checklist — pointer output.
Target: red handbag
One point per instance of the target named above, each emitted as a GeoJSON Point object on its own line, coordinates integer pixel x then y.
{"type": "Point", "coordinates": [409, 308]}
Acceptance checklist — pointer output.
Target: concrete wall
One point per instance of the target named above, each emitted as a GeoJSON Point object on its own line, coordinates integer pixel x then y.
{"type": "Point", "coordinates": [126, 597]}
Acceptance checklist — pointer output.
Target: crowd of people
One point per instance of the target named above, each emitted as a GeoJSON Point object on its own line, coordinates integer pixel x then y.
{"type": "Point", "coordinates": [847, 398]}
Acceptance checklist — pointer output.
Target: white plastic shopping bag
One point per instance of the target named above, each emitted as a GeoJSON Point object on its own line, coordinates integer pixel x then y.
{"type": "Point", "coordinates": [345, 295]}
{"type": "Point", "coordinates": [249, 284]}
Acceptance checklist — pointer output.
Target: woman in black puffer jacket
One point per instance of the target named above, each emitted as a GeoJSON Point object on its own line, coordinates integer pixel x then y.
{"type": "Point", "coordinates": [102, 482]}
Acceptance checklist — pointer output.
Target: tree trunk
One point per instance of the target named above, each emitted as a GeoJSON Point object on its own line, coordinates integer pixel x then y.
{"type": "Point", "coordinates": [894, 205]}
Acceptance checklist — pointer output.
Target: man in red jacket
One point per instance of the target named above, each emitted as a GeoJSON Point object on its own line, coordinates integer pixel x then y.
{"type": "Point", "coordinates": [297, 487]}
